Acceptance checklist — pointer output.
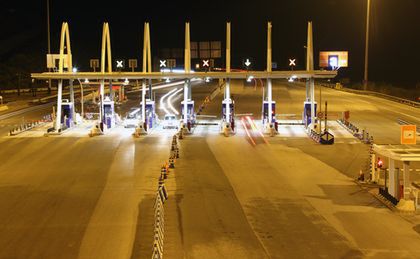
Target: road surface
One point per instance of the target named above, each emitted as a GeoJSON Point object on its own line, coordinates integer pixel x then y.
{"type": "Point", "coordinates": [72, 196]}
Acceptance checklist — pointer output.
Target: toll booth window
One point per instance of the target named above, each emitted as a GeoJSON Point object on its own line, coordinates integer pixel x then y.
{"type": "Point", "coordinates": [66, 110]}
{"type": "Point", "coordinates": [107, 109]}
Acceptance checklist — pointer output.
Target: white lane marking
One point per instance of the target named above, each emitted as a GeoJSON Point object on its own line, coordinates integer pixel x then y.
{"type": "Point", "coordinates": [169, 101]}
{"type": "Point", "coordinates": [162, 99]}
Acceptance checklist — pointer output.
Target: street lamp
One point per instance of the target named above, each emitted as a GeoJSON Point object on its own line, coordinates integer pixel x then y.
{"type": "Point", "coordinates": [365, 79]}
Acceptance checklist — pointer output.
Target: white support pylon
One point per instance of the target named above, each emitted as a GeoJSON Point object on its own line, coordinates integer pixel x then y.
{"type": "Point", "coordinates": [269, 127]}
{"type": "Point", "coordinates": [105, 56]}
{"type": "Point", "coordinates": [64, 40]}
{"type": "Point", "coordinates": [147, 68]}
{"type": "Point", "coordinates": [227, 88]}
{"type": "Point", "coordinates": [310, 67]}
{"type": "Point", "coordinates": [187, 68]}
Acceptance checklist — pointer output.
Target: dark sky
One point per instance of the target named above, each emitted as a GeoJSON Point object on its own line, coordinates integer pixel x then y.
{"type": "Point", "coordinates": [338, 25]}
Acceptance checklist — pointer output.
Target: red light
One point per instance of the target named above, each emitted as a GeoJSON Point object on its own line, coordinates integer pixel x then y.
{"type": "Point", "coordinates": [380, 163]}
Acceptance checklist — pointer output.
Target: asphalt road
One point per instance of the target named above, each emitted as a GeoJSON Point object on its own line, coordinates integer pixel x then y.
{"type": "Point", "coordinates": [290, 198]}
{"type": "Point", "coordinates": [77, 197]}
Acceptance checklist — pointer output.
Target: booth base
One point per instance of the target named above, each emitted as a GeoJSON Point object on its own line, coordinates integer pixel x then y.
{"type": "Point", "coordinates": [406, 205]}
{"type": "Point", "coordinates": [140, 131]}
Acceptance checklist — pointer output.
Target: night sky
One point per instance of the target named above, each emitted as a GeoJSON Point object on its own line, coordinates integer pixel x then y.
{"type": "Point", "coordinates": [338, 25]}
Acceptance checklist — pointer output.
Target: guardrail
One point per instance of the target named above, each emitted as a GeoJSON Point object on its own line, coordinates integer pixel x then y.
{"type": "Point", "coordinates": [403, 122]}
{"type": "Point", "coordinates": [355, 131]}
{"type": "Point", "coordinates": [210, 97]}
{"type": "Point", "coordinates": [161, 197]}
{"type": "Point", "coordinates": [30, 125]}
{"type": "Point", "coordinates": [159, 222]}
{"type": "Point", "coordinates": [324, 138]}
{"type": "Point", "coordinates": [385, 96]}
{"type": "Point", "coordinates": [24, 110]}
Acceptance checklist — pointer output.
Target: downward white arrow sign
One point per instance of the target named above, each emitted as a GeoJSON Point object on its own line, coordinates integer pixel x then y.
{"type": "Point", "coordinates": [247, 63]}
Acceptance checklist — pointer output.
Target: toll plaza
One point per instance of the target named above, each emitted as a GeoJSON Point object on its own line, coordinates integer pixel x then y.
{"type": "Point", "coordinates": [106, 75]}
{"type": "Point", "coordinates": [399, 186]}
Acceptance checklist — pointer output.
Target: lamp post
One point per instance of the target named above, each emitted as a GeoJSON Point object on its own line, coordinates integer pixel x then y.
{"type": "Point", "coordinates": [365, 79]}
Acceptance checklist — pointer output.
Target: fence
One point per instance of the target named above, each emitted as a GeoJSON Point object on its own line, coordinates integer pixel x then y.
{"type": "Point", "coordinates": [161, 197]}
{"type": "Point", "coordinates": [372, 93]}
{"type": "Point", "coordinates": [30, 125]}
{"type": "Point", "coordinates": [355, 131]}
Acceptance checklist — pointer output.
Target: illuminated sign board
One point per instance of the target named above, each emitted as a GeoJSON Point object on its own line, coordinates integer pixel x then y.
{"type": "Point", "coordinates": [334, 59]}
{"type": "Point", "coordinates": [408, 134]}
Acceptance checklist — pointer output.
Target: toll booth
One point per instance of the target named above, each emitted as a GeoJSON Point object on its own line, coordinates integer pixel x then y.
{"type": "Point", "coordinates": [307, 113]}
{"type": "Point", "coordinates": [67, 109]}
{"type": "Point", "coordinates": [190, 112]}
{"type": "Point", "coordinates": [265, 112]}
{"type": "Point", "coordinates": [404, 192]}
{"type": "Point", "coordinates": [150, 113]}
{"type": "Point", "coordinates": [109, 113]}
{"type": "Point", "coordinates": [231, 104]}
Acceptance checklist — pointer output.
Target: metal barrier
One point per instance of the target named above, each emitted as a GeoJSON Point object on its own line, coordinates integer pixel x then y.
{"type": "Point", "coordinates": [354, 130]}
{"type": "Point", "coordinates": [385, 96]}
{"type": "Point", "coordinates": [403, 122]}
{"type": "Point", "coordinates": [30, 125]}
{"type": "Point", "coordinates": [210, 97]}
{"type": "Point", "coordinates": [161, 197]}
{"type": "Point", "coordinates": [384, 193]}
{"type": "Point", "coordinates": [159, 222]}
{"type": "Point", "coordinates": [313, 135]}
{"type": "Point", "coordinates": [324, 138]}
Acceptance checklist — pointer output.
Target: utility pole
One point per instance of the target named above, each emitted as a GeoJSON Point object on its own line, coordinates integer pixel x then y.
{"type": "Point", "coordinates": [49, 41]}
{"type": "Point", "coordinates": [365, 79]}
